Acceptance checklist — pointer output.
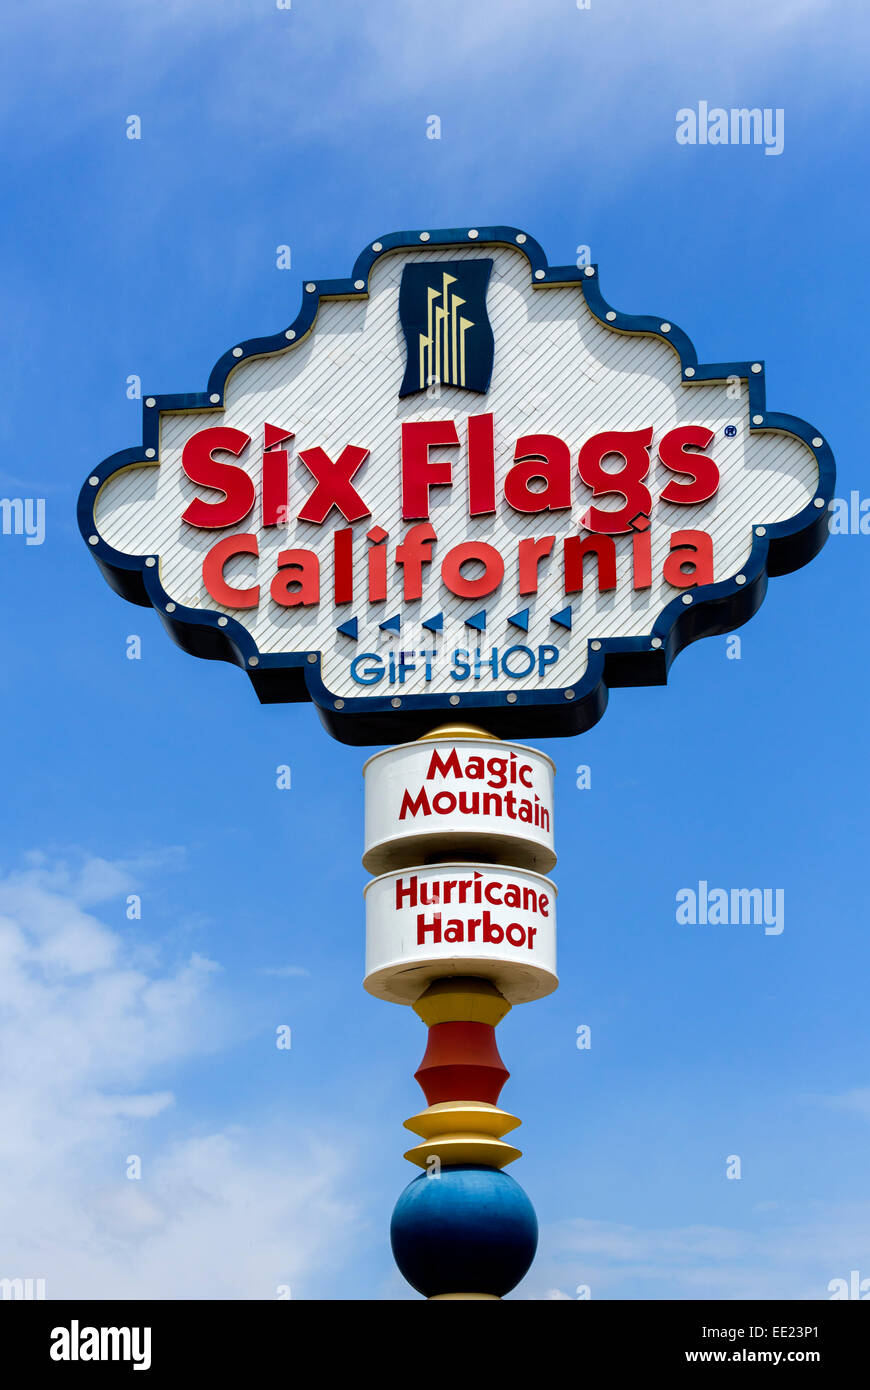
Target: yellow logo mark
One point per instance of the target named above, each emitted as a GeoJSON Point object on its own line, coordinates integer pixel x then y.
{"type": "Point", "coordinates": [442, 346]}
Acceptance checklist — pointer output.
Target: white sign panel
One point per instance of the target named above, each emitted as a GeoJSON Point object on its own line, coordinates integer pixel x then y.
{"type": "Point", "coordinates": [428, 797]}
{"type": "Point", "coordinates": [459, 479]}
{"type": "Point", "coordinates": [428, 922]}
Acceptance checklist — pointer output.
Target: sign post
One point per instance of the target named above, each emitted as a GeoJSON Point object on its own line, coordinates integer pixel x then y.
{"type": "Point", "coordinates": [460, 485]}
{"type": "Point", "coordinates": [462, 927]}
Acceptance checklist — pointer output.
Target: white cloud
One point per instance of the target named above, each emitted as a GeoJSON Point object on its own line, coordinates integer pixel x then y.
{"type": "Point", "coordinates": [793, 1256]}
{"type": "Point", "coordinates": [328, 71]}
{"type": "Point", "coordinates": [856, 1101]}
{"type": "Point", "coordinates": [83, 1025]}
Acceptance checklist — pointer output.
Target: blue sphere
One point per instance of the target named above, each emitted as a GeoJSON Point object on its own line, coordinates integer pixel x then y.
{"type": "Point", "coordinates": [471, 1230]}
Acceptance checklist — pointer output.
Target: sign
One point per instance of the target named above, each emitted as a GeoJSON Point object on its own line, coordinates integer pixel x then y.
{"type": "Point", "coordinates": [459, 483]}
{"type": "Point", "coordinates": [426, 798]}
{"type": "Point", "coordinates": [434, 810]}
{"type": "Point", "coordinates": [427, 923]}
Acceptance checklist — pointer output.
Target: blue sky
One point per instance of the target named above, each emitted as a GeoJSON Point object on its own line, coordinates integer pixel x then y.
{"type": "Point", "coordinates": [307, 127]}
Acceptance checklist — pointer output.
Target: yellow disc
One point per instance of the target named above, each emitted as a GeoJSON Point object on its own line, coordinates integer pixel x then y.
{"type": "Point", "coordinates": [464, 1148]}
{"type": "Point", "coordinates": [433, 1298]}
{"type": "Point", "coordinates": [461, 1000]}
{"type": "Point", "coordinates": [462, 1116]}
{"type": "Point", "coordinates": [449, 731]}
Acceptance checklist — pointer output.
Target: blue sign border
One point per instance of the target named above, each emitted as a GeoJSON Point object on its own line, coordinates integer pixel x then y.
{"type": "Point", "coordinates": [377, 719]}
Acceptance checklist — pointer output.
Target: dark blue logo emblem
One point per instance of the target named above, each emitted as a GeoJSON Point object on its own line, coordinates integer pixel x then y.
{"type": "Point", "coordinates": [442, 309]}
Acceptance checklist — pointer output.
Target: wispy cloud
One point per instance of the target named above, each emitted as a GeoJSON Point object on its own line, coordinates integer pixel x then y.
{"type": "Point", "coordinates": [856, 1102]}
{"type": "Point", "coordinates": [790, 1255]}
{"type": "Point", "coordinates": [84, 1026]}
{"type": "Point", "coordinates": [394, 60]}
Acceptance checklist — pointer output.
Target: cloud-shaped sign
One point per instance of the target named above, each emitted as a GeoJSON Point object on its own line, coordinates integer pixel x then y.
{"type": "Point", "coordinates": [459, 483]}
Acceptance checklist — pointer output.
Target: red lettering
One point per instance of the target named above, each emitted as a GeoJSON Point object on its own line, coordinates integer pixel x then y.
{"type": "Point", "coordinates": [481, 465]}
{"type": "Point", "coordinates": [633, 447]}
{"type": "Point", "coordinates": [333, 484]}
{"type": "Point", "coordinates": [415, 552]}
{"type": "Point", "coordinates": [690, 561]}
{"type": "Point", "coordinates": [274, 475]}
{"type": "Point", "coordinates": [213, 572]}
{"type": "Point", "coordinates": [410, 892]}
{"type": "Point", "coordinates": [702, 471]}
{"type": "Point", "coordinates": [492, 932]}
{"type": "Point", "coordinates": [418, 472]}
{"type": "Point", "coordinates": [342, 549]}
{"type": "Point", "coordinates": [576, 549]}
{"type": "Point", "coordinates": [424, 927]}
{"type": "Point", "coordinates": [540, 456]}
{"type": "Point", "coordinates": [234, 483]}
{"type": "Point", "coordinates": [641, 559]}
{"type": "Point", "coordinates": [481, 552]}
{"type": "Point", "coordinates": [377, 558]}
{"type": "Point", "coordinates": [444, 767]}
{"type": "Point", "coordinates": [411, 806]}
{"type": "Point", "coordinates": [531, 553]}
{"type": "Point", "coordinates": [300, 568]}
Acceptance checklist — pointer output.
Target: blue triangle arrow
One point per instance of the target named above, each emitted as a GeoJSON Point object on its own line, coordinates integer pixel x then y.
{"type": "Point", "coordinates": [392, 624]}
{"type": "Point", "coordinates": [349, 629]}
{"type": "Point", "coordinates": [478, 621]}
{"type": "Point", "coordinates": [435, 624]}
{"type": "Point", "coordinates": [563, 618]}
{"type": "Point", "coordinates": [520, 620]}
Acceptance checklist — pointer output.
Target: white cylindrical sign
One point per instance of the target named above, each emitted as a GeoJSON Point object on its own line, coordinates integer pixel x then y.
{"type": "Point", "coordinates": [475, 795]}
{"type": "Point", "coordinates": [427, 922]}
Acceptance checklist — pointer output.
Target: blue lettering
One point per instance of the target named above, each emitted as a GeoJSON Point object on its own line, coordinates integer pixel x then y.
{"type": "Point", "coordinates": [547, 656]}
{"type": "Point", "coordinates": [461, 668]}
{"type": "Point", "coordinates": [527, 655]}
{"type": "Point", "coordinates": [371, 674]}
